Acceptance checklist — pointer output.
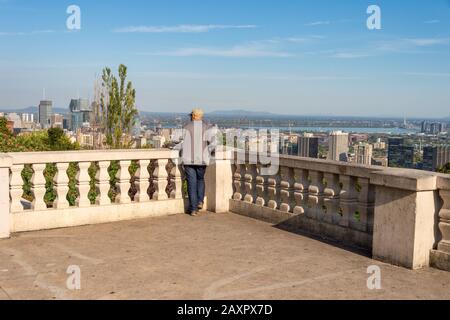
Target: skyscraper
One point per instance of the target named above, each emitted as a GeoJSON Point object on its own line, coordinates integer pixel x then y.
{"type": "Point", "coordinates": [363, 153]}
{"type": "Point", "coordinates": [80, 112]}
{"type": "Point", "coordinates": [308, 146]}
{"type": "Point", "coordinates": [45, 110]}
{"type": "Point", "coordinates": [435, 157]}
{"type": "Point", "coordinates": [338, 146]}
{"type": "Point", "coordinates": [399, 155]}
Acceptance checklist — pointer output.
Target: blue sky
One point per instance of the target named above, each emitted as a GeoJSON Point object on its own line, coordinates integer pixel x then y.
{"type": "Point", "coordinates": [291, 57]}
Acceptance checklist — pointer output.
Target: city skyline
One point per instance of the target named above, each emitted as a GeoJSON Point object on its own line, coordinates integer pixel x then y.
{"type": "Point", "coordinates": [298, 58]}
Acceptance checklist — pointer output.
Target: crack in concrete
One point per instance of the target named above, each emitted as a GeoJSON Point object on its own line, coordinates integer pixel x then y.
{"type": "Point", "coordinates": [17, 257]}
{"type": "Point", "coordinates": [6, 293]}
{"type": "Point", "coordinates": [212, 292]}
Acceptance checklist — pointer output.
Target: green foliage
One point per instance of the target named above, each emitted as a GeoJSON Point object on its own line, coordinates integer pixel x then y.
{"type": "Point", "coordinates": [357, 216]}
{"type": "Point", "coordinates": [46, 140]}
{"type": "Point", "coordinates": [118, 108]}
{"type": "Point", "coordinates": [445, 169]}
{"type": "Point", "coordinates": [3, 127]}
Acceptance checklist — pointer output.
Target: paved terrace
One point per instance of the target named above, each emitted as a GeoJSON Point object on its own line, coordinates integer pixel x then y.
{"type": "Point", "coordinates": [212, 256]}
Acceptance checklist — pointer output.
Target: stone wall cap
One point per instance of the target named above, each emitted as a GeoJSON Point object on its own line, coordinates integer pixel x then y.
{"type": "Point", "coordinates": [5, 161]}
{"type": "Point", "coordinates": [91, 155]}
{"type": "Point", "coordinates": [443, 181]}
{"type": "Point", "coordinates": [406, 179]}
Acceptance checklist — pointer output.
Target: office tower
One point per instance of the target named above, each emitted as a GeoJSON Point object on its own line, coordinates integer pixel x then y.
{"type": "Point", "coordinates": [433, 128]}
{"type": "Point", "coordinates": [364, 153]}
{"type": "Point", "coordinates": [338, 146]}
{"type": "Point", "coordinates": [441, 156]}
{"type": "Point", "coordinates": [427, 162]}
{"type": "Point", "coordinates": [56, 121]}
{"type": "Point", "coordinates": [28, 117]}
{"type": "Point", "coordinates": [399, 155]}
{"type": "Point", "coordinates": [45, 110]}
{"type": "Point", "coordinates": [379, 145]}
{"type": "Point", "coordinates": [436, 157]}
{"type": "Point", "coordinates": [308, 146]}
{"type": "Point", "coordinates": [80, 113]}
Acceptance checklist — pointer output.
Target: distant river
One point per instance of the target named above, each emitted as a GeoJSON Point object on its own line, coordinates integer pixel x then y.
{"type": "Point", "coordinates": [398, 131]}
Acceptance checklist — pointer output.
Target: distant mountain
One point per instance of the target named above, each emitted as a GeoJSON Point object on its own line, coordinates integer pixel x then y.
{"type": "Point", "coordinates": [240, 112]}
{"type": "Point", "coordinates": [34, 110]}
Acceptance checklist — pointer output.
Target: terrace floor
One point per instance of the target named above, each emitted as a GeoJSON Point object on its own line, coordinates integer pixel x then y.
{"type": "Point", "coordinates": [212, 256]}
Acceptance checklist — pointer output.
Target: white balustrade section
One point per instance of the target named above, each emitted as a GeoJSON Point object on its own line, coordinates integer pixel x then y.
{"type": "Point", "coordinates": [92, 204]}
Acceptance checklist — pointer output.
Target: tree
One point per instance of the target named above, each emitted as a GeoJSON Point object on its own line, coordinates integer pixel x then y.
{"type": "Point", "coordinates": [117, 103]}
{"type": "Point", "coordinates": [4, 126]}
{"type": "Point", "coordinates": [445, 169]}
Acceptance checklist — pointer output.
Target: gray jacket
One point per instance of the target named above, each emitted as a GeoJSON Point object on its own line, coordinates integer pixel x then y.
{"type": "Point", "coordinates": [198, 143]}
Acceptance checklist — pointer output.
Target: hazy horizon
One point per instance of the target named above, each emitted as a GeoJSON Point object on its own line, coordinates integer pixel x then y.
{"type": "Point", "coordinates": [290, 58]}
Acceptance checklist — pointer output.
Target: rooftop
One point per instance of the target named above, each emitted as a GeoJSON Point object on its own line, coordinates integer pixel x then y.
{"type": "Point", "coordinates": [212, 256]}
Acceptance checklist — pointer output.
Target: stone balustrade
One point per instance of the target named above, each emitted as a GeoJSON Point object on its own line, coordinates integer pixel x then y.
{"type": "Point", "coordinates": [400, 215]}
{"type": "Point", "coordinates": [100, 197]}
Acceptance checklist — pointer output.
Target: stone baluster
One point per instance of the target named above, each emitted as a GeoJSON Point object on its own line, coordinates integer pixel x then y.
{"type": "Point", "coordinates": [102, 184]}
{"type": "Point", "coordinates": [142, 182]}
{"type": "Point", "coordinates": [16, 188]}
{"type": "Point", "coordinates": [301, 190]}
{"type": "Point", "coordinates": [83, 185]}
{"type": "Point", "coordinates": [273, 190]}
{"type": "Point", "coordinates": [177, 181]}
{"type": "Point", "coordinates": [250, 183]}
{"type": "Point", "coordinates": [363, 220]}
{"type": "Point", "coordinates": [123, 182]}
{"type": "Point", "coordinates": [287, 190]}
{"type": "Point", "coordinates": [349, 199]}
{"type": "Point", "coordinates": [61, 181]}
{"type": "Point", "coordinates": [444, 222]}
{"type": "Point", "coordinates": [239, 181]}
{"type": "Point", "coordinates": [160, 180]}
{"type": "Point", "coordinates": [315, 197]}
{"type": "Point", "coordinates": [261, 188]}
{"type": "Point", "coordinates": [38, 187]}
{"type": "Point", "coordinates": [331, 199]}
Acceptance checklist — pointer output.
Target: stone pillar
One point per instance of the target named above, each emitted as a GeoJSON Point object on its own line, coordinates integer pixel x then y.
{"type": "Point", "coordinates": [287, 189]}
{"type": "Point", "coordinates": [123, 182]}
{"type": "Point", "coordinates": [250, 183]}
{"type": "Point", "coordinates": [142, 182]}
{"type": "Point", "coordinates": [62, 186]}
{"type": "Point", "coordinates": [239, 181]}
{"type": "Point", "coordinates": [349, 199]}
{"type": "Point", "coordinates": [331, 198]}
{"type": "Point", "coordinates": [5, 215]}
{"type": "Point", "coordinates": [38, 187]}
{"type": "Point", "coordinates": [273, 190]}
{"type": "Point", "coordinates": [160, 177]}
{"type": "Point", "coordinates": [315, 197]}
{"type": "Point", "coordinates": [219, 183]}
{"type": "Point", "coordinates": [176, 179]}
{"type": "Point", "coordinates": [261, 188]}
{"type": "Point", "coordinates": [83, 181]}
{"type": "Point", "coordinates": [16, 188]}
{"type": "Point", "coordinates": [102, 183]}
{"type": "Point", "coordinates": [444, 222]}
{"type": "Point", "coordinates": [366, 198]}
{"type": "Point", "coordinates": [301, 189]}
{"type": "Point", "coordinates": [440, 258]}
{"type": "Point", "coordinates": [406, 210]}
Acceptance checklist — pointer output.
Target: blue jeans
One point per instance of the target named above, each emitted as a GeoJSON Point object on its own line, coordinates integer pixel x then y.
{"type": "Point", "coordinates": [195, 176]}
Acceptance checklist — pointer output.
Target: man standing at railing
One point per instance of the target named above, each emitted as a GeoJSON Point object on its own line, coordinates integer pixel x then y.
{"type": "Point", "coordinates": [196, 148]}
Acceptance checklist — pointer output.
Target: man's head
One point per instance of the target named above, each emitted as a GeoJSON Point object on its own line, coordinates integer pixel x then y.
{"type": "Point", "coordinates": [197, 114]}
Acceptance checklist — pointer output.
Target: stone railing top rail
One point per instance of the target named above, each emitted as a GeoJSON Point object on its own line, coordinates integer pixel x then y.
{"type": "Point", "coordinates": [7, 159]}
{"type": "Point", "coordinates": [406, 179]}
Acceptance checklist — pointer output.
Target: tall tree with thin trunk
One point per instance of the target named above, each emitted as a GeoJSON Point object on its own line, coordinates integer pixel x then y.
{"type": "Point", "coordinates": [117, 104]}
